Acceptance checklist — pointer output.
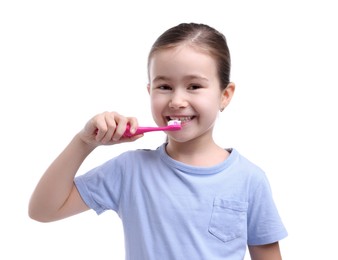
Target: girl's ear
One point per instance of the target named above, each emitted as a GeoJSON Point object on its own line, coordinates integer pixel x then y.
{"type": "Point", "coordinates": [148, 88]}
{"type": "Point", "coordinates": [227, 95]}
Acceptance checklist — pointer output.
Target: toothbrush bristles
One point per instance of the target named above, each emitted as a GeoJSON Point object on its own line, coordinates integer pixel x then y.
{"type": "Point", "coordinates": [174, 125]}
{"type": "Point", "coordinates": [174, 122]}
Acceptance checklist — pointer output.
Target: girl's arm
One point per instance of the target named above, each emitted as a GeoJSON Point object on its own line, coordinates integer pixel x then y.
{"type": "Point", "coordinates": [265, 252]}
{"type": "Point", "coordinates": [56, 197]}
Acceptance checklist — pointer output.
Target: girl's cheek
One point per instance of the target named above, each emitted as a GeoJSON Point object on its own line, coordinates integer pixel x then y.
{"type": "Point", "coordinates": [158, 101]}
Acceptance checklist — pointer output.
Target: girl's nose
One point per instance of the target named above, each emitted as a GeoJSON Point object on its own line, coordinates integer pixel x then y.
{"type": "Point", "coordinates": [178, 101]}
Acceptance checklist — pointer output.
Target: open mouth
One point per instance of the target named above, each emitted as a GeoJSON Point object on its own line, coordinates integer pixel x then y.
{"type": "Point", "coordinates": [183, 119]}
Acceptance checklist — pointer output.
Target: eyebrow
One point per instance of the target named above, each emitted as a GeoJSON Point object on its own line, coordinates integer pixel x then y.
{"type": "Point", "coordinates": [159, 78]}
{"type": "Point", "coordinates": [189, 77]}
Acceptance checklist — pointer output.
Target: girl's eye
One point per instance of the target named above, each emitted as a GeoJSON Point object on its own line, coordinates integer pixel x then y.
{"type": "Point", "coordinates": [193, 87]}
{"type": "Point", "coordinates": [164, 87]}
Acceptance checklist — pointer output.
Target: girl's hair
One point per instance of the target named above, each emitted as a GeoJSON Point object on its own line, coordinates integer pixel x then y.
{"type": "Point", "coordinates": [202, 36]}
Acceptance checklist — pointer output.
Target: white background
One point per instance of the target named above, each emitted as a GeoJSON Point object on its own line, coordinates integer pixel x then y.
{"type": "Point", "coordinates": [61, 62]}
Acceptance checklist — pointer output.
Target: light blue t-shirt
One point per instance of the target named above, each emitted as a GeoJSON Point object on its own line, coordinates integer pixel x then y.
{"type": "Point", "coordinates": [172, 211]}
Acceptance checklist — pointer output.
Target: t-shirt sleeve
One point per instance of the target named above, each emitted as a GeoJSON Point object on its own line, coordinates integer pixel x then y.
{"type": "Point", "coordinates": [264, 223]}
{"type": "Point", "coordinates": [100, 188]}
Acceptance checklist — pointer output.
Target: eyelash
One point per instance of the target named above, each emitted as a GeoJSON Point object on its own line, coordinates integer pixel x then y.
{"type": "Point", "coordinates": [195, 87]}
{"type": "Point", "coordinates": [191, 87]}
{"type": "Point", "coordinates": [164, 87]}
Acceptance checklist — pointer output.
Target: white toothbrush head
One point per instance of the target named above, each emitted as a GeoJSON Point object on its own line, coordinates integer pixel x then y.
{"type": "Point", "coordinates": [175, 124]}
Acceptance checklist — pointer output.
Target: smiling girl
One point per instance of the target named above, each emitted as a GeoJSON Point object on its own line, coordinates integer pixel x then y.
{"type": "Point", "coordinates": [187, 199]}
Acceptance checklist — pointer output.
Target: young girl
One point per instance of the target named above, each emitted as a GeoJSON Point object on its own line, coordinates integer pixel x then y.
{"type": "Point", "coordinates": [187, 199]}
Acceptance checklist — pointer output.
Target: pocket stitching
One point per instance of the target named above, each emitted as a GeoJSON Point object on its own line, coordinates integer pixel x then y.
{"type": "Point", "coordinates": [227, 209]}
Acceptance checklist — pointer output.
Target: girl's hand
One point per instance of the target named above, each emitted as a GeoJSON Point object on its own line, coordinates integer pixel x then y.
{"type": "Point", "coordinates": [108, 128]}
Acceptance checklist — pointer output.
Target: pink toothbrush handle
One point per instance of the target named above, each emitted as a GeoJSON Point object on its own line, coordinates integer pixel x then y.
{"type": "Point", "coordinates": [141, 130]}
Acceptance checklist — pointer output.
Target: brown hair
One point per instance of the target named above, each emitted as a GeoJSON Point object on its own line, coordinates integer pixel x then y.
{"type": "Point", "coordinates": [203, 37]}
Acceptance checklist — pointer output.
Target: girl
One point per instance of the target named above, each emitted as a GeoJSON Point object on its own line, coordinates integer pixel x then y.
{"type": "Point", "coordinates": [187, 199]}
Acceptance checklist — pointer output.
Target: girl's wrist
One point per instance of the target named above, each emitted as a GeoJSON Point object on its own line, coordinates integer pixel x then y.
{"type": "Point", "coordinates": [82, 145]}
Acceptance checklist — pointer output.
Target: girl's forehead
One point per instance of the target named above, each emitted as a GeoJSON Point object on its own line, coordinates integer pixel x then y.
{"type": "Point", "coordinates": [182, 46]}
{"type": "Point", "coordinates": [185, 53]}
{"type": "Point", "coordinates": [180, 61]}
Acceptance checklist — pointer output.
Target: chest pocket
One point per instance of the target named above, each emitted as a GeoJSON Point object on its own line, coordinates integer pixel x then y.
{"type": "Point", "coordinates": [229, 219]}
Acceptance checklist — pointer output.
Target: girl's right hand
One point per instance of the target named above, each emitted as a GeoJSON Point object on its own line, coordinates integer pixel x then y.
{"type": "Point", "coordinates": [108, 128]}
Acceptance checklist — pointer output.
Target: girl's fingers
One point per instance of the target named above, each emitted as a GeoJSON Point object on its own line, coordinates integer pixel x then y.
{"type": "Point", "coordinates": [110, 127]}
{"type": "Point", "coordinates": [133, 123]}
{"type": "Point", "coordinates": [121, 125]}
{"type": "Point", "coordinates": [110, 119]}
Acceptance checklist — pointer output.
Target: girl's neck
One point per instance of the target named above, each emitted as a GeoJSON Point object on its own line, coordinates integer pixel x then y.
{"type": "Point", "coordinates": [197, 153]}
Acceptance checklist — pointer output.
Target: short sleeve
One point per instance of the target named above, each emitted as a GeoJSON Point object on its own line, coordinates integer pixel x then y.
{"type": "Point", "coordinates": [100, 188]}
{"type": "Point", "coordinates": [264, 223]}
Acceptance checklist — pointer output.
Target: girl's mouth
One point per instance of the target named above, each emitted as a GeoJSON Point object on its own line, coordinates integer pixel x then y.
{"type": "Point", "coordinates": [183, 119]}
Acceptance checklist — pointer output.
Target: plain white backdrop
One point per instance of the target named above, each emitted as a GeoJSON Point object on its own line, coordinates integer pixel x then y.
{"type": "Point", "coordinates": [61, 62]}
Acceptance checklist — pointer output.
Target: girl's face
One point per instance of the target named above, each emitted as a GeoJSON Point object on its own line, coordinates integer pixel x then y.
{"type": "Point", "coordinates": [184, 85]}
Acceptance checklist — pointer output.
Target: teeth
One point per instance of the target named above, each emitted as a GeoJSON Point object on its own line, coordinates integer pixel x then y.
{"type": "Point", "coordinates": [182, 119]}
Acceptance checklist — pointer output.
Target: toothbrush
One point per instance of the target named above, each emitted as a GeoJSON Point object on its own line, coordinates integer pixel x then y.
{"type": "Point", "coordinates": [173, 125]}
